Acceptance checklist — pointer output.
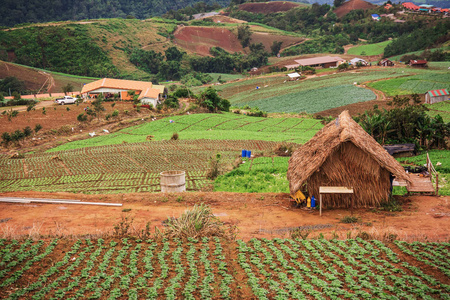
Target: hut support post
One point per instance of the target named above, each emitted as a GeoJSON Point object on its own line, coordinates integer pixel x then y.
{"type": "Point", "coordinates": [320, 207]}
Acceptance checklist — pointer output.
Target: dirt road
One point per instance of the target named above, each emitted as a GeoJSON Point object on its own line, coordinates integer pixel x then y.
{"type": "Point", "coordinates": [256, 215]}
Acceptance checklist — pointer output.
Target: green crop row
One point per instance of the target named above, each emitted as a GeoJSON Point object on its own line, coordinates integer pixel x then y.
{"type": "Point", "coordinates": [210, 268]}
{"type": "Point", "coordinates": [226, 126]}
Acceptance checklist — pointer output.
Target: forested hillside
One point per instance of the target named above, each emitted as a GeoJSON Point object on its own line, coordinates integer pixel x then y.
{"type": "Point", "coordinates": [35, 11]}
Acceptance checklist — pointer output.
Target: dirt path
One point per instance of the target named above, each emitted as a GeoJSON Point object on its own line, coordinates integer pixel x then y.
{"type": "Point", "coordinates": [256, 215]}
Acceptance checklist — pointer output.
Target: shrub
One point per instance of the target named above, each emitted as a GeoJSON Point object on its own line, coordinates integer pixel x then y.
{"type": "Point", "coordinates": [115, 113]}
{"type": "Point", "coordinates": [6, 137]}
{"type": "Point", "coordinates": [349, 219]}
{"type": "Point", "coordinates": [82, 117]}
{"type": "Point", "coordinates": [213, 170]}
{"type": "Point", "coordinates": [174, 136]}
{"type": "Point", "coordinates": [27, 131]}
{"type": "Point", "coordinates": [37, 127]}
{"type": "Point", "coordinates": [195, 223]}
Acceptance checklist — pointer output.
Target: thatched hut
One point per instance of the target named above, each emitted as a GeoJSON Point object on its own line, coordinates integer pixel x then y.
{"type": "Point", "coordinates": [343, 154]}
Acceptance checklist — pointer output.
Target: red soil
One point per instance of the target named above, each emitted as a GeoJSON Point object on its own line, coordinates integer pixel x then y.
{"type": "Point", "coordinates": [225, 19]}
{"type": "Point", "coordinates": [267, 40]}
{"type": "Point", "coordinates": [33, 79]}
{"type": "Point", "coordinates": [268, 7]}
{"type": "Point", "coordinates": [256, 215]}
{"type": "Point", "coordinates": [352, 5]}
{"type": "Point", "coordinates": [200, 39]}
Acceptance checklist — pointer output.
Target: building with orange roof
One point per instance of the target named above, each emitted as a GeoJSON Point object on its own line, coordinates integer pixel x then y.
{"type": "Point", "coordinates": [147, 92]}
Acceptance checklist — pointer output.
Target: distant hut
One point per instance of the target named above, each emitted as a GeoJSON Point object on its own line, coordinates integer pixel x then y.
{"type": "Point", "coordinates": [343, 154]}
{"type": "Point", "coordinates": [421, 63]}
{"type": "Point", "coordinates": [436, 96]}
{"type": "Point", "coordinates": [385, 63]}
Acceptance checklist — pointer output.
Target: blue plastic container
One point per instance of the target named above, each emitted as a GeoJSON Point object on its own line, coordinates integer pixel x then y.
{"type": "Point", "coordinates": [244, 153]}
{"type": "Point", "coordinates": [313, 201]}
{"type": "Point", "coordinates": [249, 153]}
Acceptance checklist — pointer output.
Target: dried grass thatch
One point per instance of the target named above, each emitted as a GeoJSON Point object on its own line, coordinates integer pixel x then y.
{"type": "Point", "coordinates": [343, 154]}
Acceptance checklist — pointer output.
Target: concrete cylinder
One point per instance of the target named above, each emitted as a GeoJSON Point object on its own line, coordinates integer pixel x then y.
{"type": "Point", "coordinates": [173, 181]}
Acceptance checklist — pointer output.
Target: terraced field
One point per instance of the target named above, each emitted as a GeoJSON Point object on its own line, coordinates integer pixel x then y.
{"type": "Point", "coordinates": [124, 168]}
{"type": "Point", "coordinates": [226, 126]}
{"type": "Point", "coordinates": [211, 268]}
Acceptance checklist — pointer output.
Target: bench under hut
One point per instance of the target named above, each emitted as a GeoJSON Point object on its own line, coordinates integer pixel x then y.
{"type": "Point", "coordinates": [343, 154]}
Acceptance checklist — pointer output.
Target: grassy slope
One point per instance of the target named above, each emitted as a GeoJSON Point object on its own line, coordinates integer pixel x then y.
{"type": "Point", "coordinates": [371, 49]}
{"type": "Point", "coordinates": [209, 126]}
{"type": "Point", "coordinates": [263, 177]}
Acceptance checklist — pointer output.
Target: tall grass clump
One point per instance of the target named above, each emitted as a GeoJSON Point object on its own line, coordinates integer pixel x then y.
{"type": "Point", "coordinates": [195, 223]}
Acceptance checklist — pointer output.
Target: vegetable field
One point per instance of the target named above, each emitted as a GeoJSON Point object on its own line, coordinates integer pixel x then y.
{"type": "Point", "coordinates": [212, 268]}
{"type": "Point", "coordinates": [313, 101]}
{"type": "Point", "coordinates": [123, 168]}
{"type": "Point", "coordinates": [226, 126]}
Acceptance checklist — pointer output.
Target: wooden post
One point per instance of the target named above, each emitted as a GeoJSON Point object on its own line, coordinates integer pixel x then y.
{"type": "Point", "coordinates": [351, 209]}
{"type": "Point", "coordinates": [320, 208]}
{"type": "Point", "coordinates": [437, 184]}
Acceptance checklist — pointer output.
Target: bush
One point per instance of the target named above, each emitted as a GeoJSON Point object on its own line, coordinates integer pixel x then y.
{"type": "Point", "coordinates": [37, 127]}
{"type": "Point", "coordinates": [82, 117]}
{"type": "Point", "coordinates": [174, 136]}
{"type": "Point", "coordinates": [195, 223]}
{"type": "Point", "coordinates": [349, 219]}
{"type": "Point", "coordinates": [213, 170]}
{"type": "Point", "coordinates": [27, 131]}
{"type": "Point", "coordinates": [115, 113]}
{"type": "Point", "coordinates": [6, 137]}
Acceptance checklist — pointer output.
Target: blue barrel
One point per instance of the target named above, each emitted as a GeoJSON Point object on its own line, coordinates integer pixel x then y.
{"type": "Point", "coordinates": [249, 153]}
{"type": "Point", "coordinates": [244, 153]}
{"type": "Point", "coordinates": [313, 201]}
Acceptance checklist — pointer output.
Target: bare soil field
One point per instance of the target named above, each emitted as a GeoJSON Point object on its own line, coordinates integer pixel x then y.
{"type": "Point", "coordinates": [33, 79]}
{"type": "Point", "coordinates": [267, 40]}
{"type": "Point", "coordinates": [226, 19]}
{"type": "Point", "coordinates": [268, 7]}
{"type": "Point", "coordinates": [256, 215]}
{"type": "Point", "coordinates": [352, 5]}
{"type": "Point", "coordinates": [200, 39]}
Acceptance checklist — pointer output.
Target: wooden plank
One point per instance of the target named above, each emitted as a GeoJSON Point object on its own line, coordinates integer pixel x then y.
{"type": "Point", "coordinates": [420, 184]}
{"type": "Point", "coordinates": [335, 190]}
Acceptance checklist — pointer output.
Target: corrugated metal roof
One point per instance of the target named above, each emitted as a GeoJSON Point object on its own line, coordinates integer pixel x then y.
{"type": "Point", "coordinates": [437, 93]}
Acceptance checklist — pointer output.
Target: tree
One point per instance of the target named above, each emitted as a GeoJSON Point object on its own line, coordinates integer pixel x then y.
{"type": "Point", "coordinates": [338, 3]}
{"type": "Point", "coordinates": [68, 88]}
{"type": "Point", "coordinates": [244, 35]}
{"type": "Point", "coordinates": [98, 106]}
{"type": "Point", "coordinates": [172, 53]}
{"type": "Point", "coordinates": [6, 137]}
{"type": "Point", "coordinates": [11, 84]}
{"type": "Point", "coordinates": [210, 99]}
{"type": "Point", "coordinates": [276, 47]}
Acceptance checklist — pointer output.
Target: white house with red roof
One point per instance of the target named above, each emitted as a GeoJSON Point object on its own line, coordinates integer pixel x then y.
{"type": "Point", "coordinates": [435, 96]}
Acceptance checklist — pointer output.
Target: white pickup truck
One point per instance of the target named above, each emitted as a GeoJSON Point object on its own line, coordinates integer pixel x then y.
{"type": "Point", "coordinates": [66, 100]}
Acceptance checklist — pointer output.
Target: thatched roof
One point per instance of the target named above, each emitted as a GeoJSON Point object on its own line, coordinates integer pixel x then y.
{"type": "Point", "coordinates": [311, 156]}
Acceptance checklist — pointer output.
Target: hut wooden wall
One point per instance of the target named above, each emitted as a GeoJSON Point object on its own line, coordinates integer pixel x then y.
{"type": "Point", "coordinates": [349, 166]}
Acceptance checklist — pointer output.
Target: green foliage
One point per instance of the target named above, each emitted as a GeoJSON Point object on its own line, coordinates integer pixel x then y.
{"type": "Point", "coordinates": [68, 88]}
{"type": "Point", "coordinates": [183, 92]}
{"type": "Point", "coordinates": [34, 11]}
{"type": "Point", "coordinates": [6, 138]}
{"type": "Point", "coordinates": [214, 167]}
{"type": "Point", "coordinates": [211, 100]}
{"type": "Point", "coordinates": [171, 102]}
{"type": "Point", "coordinates": [27, 131]}
{"type": "Point", "coordinates": [406, 123]}
{"type": "Point", "coordinates": [67, 49]}
{"type": "Point", "coordinates": [37, 127]}
{"type": "Point", "coordinates": [419, 39]}
{"type": "Point", "coordinates": [275, 48]}
{"type": "Point", "coordinates": [82, 117]}
{"type": "Point", "coordinates": [11, 84]}
{"type": "Point", "coordinates": [196, 79]}
{"type": "Point", "coordinates": [264, 176]}
{"type": "Point", "coordinates": [148, 61]}
{"type": "Point", "coordinates": [244, 35]}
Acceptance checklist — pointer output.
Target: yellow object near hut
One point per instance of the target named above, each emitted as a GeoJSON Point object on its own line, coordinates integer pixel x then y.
{"type": "Point", "coordinates": [298, 197]}
{"type": "Point", "coordinates": [308, 202]}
